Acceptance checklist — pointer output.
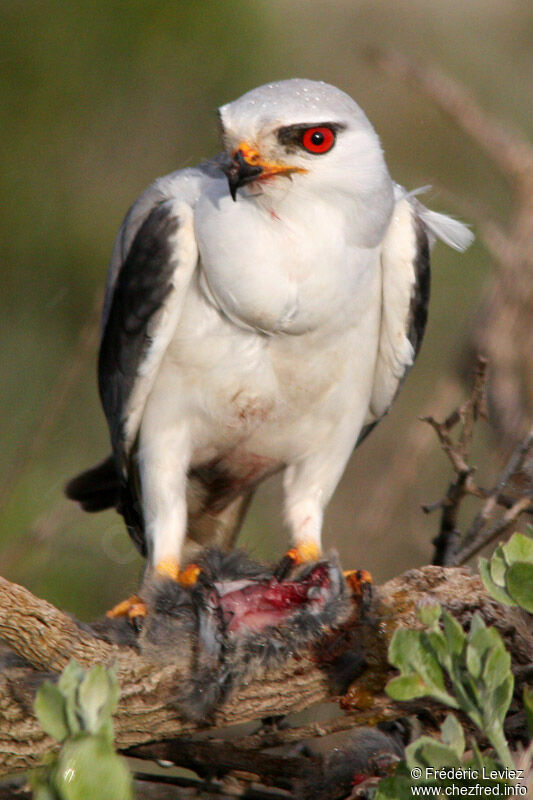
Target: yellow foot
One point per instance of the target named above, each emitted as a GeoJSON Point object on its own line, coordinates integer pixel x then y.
{"type": "Point", "coordinates": [359, 581]}
{"type": "Point", "coordinates": [189, 575]}
{"type": "Point", "coordinates": [170, 569]}
{"type": "Point", "coordinates": [303, 553]}
{"type": "Point", "coordinates": [133, 607]}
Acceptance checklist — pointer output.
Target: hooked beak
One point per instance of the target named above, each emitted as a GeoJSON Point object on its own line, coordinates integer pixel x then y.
{"type": "Point", "coordinates": [246, 166]}
{"type": "Point", "coordinates": [240, 170]}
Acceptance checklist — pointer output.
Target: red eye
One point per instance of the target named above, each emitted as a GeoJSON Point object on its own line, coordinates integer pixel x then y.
{"type": "Point", "coordinates": [318, 140]}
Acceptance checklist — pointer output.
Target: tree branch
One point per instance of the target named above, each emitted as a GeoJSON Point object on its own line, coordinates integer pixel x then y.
{"type": "Point", "coordinates": [46, 638]}
{"type": "Point", "coordinates": [452, 548]}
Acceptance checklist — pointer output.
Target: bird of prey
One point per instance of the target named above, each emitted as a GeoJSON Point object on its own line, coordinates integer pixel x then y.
{"type": "Point", "coordinates": [262, 311]}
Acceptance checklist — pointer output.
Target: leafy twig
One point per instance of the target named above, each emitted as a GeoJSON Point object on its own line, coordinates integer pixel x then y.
{"type": "Point", "coordinates": [476, 665]}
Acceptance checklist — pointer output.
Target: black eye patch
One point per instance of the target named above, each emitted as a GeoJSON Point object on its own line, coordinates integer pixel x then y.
{"type": "Point", "coordinates": [292, 136]}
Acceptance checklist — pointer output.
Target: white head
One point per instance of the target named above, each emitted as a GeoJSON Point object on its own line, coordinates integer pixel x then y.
{"type": "Point", "coordinates": [301, 136]}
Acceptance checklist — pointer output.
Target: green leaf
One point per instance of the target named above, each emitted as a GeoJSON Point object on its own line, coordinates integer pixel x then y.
{"type": "Point", "coordinates": [411, 652]}
{"type": "Point", "coordinates": [476, 624]}
{"type": "Point", "coordinates": [427, 665]}
{"type": "Point", "coordinates": [107, 731]}
{"type": "Point", "coordinates": [68, 683]}
{"type": "Point", "coordinates": [400, 646]}
{"type": "Point", "coordinates": [454, 634]}
{"type": "Point", "coordinates": [427, 752]}
{"type": "Point", "coordinates": [474, 662]}
{"type": "Point", "coordinates": [70, 679]}
{"type": "Point", "coordinates": [496, 591]}
{"type": "Point", "coordinates": [480, 637]}
{"type": "Point", "coordinates": [50, 711]}
{"type": "Point", "coordinates": [88, 768]}
{"type": "Point", "coordinates": [429, 615]}
{"type": "Point", "coordinates": [528, 705]}
{"type": "Point", "coordinates": [438, 644]}
{"type": "Point", "coordinates": [97, 696]}
{"type": "Point", "coordinates": [498, 566]}
{"type": "Point", "coordinates": [520, 583]}
{"type": "Point", "coordinates": [453, 735]}
{"type": "Point", "coordinates": [406, 687]}
{"type": "Point", "coordinates": [497, 667]}
{"type": "Point", "coordinates": [518, 548]}
{"type": "Point", "coordinates": [398, 787]}
{"type": "Point", "coordinates": [500, 701]}
{"type": "Point", "coordinates": [480, 641]}
{"type": "Point", "coordinates": [469, 692]}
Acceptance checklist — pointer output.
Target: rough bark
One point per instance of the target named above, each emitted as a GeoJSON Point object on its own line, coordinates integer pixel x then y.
{"type": "Point", "coordinates": [41, 640]}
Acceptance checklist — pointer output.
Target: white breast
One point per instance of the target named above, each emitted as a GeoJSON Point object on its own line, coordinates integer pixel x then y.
{"type": "Point", "coordinates": [278, 335]}
{"type": "Point", "coordinates": [288, 271]}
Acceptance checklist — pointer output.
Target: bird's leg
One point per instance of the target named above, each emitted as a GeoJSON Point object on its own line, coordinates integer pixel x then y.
{"type": "Point", "coordinates": [308, 486]}
{"type": "Point", "coordinates": [163, 465]}
{"type": "Point", "coordinates": [304, 514]}
{"type": "Point", "coordinates": [305, 521]}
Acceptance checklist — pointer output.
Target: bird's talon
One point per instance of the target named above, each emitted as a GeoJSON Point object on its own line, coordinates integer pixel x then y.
{"type": "Point", "coordinates": [284, 568]}
{"type": "Point", "coordinates": [132, 607]}
{"type": "Point", "coordinates": [137, 617]}
{"type": "Point", "coordinates": [301, 554]}
{"type": "Point", "coordinates": [170, 569]}
{"type": "Point", "coordinates": [137, 610]}
{"type": "Point", "coordinates": [189, 575]}
{"type": "Point", "coordinates": [360, 583]}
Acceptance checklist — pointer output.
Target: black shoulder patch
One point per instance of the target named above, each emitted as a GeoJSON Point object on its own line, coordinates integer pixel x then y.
{"type": "Point", "coordinates": [141, 289]}
{"type": "Point", "coordinates": [418, 312]}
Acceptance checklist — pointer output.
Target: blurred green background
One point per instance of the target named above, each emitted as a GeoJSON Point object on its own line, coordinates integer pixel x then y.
{"type": "Point", "coordinates": [99, 99]}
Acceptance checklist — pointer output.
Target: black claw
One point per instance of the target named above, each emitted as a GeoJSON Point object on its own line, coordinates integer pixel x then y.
{"type": "Point", "coordinates": [137, 623]}
{"type": "Point", "coordinates": [284, 568]}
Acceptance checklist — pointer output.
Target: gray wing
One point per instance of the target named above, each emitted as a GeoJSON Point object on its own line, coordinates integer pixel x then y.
{"type": "Point", "coordinates": [141, 293]}
{"type": "Point", "coordinates": [153, 261]}
{"type": "Point", "coordinates": [184, 184]}
{"type": "Point", "coordinates": [405, 265]}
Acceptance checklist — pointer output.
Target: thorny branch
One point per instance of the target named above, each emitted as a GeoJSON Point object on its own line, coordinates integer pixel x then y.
{"type": "Point", "coordinates": [452, 547]}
